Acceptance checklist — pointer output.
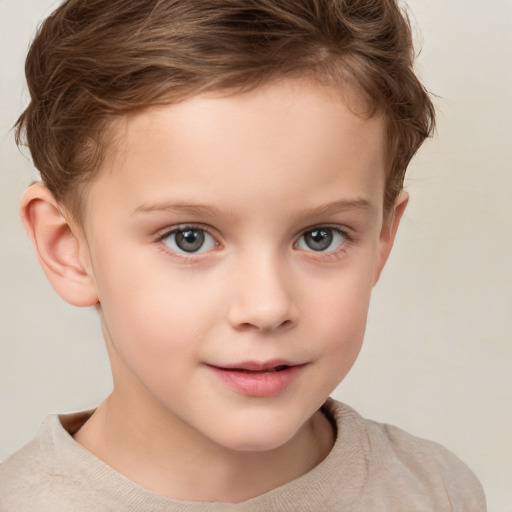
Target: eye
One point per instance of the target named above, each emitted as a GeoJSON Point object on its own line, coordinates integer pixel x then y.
{"type": "Point", "coordinates": [322, 239]}
{"type": "Point", "coordinates": [189, 240]}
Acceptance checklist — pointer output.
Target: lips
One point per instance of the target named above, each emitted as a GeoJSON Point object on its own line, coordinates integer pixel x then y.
{"type": "Point", "coordinates": [257, 367]}
{"type": "Point", "coordinates": [265, 370]}
{"type": "Point", "coordinates": [258, 379]}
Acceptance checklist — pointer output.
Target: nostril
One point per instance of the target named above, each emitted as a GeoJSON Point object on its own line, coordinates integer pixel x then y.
{"type": "Point", "coordinates": [286, 324]}
{"type": "Point", "coordinates": [260, 326]}
{"type": "Point", "coordinates": [265, 312]}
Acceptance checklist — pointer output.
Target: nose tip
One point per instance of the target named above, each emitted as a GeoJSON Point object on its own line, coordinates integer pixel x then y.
{"type": "Point", "coordinates": [263, 302]}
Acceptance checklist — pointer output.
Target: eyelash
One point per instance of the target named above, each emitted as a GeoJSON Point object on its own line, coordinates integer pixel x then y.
{"type": "Point", "coordinates": [348, 238]}
{"type": "Point", "coordinates": [184, 227]}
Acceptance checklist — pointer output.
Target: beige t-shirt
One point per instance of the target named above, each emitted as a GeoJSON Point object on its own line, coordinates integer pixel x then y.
{"type": "Point", "coordinates": [372, 467]}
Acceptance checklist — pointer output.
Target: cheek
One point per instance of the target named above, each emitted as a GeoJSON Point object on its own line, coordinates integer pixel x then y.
{"type": "Point", "coordinates": [153, 315]}
{"type": "Point", "coordinates": [155, 337]}
{"type": "Point", "coordinates": [338, 318]}
{"type": "Point", "coordinates": [342, 330]}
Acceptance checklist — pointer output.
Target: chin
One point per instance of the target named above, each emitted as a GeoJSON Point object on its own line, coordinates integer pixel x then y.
{"type": "Point", "coordinates": [260, 436]}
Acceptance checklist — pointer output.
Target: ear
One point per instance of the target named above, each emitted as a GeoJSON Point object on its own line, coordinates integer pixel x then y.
{"type": "Point", "coordinates": [388, 233]}
{"type": "Point", "coordinates": [60, 251]}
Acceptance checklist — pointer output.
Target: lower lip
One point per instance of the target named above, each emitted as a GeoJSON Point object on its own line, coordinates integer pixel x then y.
{"type": "Point", "coordinates": [258, 383]}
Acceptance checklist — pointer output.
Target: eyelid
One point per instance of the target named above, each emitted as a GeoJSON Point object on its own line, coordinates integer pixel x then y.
{"type": "Point", "coordinates": [162, 233]}
{"type": "Point", "coordinates": [168, 231]}
{"type": "Point", "coordinates": [345, 232]}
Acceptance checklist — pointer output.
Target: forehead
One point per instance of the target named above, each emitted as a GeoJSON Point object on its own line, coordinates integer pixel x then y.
{"type": "Point", "coordinates": [289, 136]}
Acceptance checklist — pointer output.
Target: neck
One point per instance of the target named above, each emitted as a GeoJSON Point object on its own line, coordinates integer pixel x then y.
{"type": "Point", "coordinates": [166, 456]}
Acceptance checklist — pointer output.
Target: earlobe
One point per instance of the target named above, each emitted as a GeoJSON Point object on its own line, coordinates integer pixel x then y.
{"type": "Point", "coordinates": [388, 233]}
{"type": "Point", "coordinates": [57, 247]}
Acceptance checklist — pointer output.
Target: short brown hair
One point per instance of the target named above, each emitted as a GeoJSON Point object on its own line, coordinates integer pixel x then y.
{"type": "Point", "coordinates": [93, 60]}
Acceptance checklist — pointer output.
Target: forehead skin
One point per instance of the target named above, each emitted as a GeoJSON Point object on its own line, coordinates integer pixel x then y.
{"type": "Point", "coordinates": [261, 132]}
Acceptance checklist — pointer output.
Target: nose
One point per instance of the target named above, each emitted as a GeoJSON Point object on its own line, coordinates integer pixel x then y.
{"type": "Point", "coordinates": [263, 299]}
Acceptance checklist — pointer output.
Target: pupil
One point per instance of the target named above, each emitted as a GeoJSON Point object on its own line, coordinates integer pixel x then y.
{"type": "Point", "coordinates": [319, 239]}
{"type": "Point", "coordinates": [190, 240]}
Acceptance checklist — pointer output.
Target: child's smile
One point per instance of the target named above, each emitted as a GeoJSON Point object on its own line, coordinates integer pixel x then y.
{"type": "Point", "coordinates": [259, 378]}
{"type": "Point", "coordinates": [234, 242]}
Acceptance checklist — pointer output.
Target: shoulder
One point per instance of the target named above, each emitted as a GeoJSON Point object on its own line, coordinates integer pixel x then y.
{"type": "Point", "coordinates": [25, 473]}
{"type": "Point", "coordinates": [34, 474]}
{"type": "Point", "coordinates": [399, 465]}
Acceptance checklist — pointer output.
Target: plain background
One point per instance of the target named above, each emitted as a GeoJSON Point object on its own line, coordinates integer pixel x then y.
{"type": "Point", "coordinates": [437, 360]}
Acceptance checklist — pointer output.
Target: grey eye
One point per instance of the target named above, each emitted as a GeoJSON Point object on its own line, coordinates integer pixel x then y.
{"type": "Point", "coordinates": [189, 240]}
{"type": "Point", "coordinates": [321, 239]}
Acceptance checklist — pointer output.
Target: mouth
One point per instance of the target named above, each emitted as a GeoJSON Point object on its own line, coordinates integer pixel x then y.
{"type": "Point", "coordinates": [274, 369]}
{"type": "Point", "coordinates": [258, 379]}
{"type": "Point", "coordinates": [257, 367]}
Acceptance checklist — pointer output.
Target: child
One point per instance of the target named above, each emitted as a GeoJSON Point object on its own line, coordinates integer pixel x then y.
{"type": "Point", "coordinates": [222, 180]}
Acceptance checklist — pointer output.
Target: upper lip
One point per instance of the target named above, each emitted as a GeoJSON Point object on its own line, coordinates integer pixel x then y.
{"type": "Point", "coordinates": [257, 366]}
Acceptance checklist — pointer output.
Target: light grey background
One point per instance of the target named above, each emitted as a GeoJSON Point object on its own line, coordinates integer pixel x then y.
{"type": "Point", "coordinates": [437, 359]}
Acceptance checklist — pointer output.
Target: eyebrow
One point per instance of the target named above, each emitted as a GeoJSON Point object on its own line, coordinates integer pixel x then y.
{"type": "Point", "coordinates": [358, 204]}
{"type": "Point", "coordinates": [191, 209]}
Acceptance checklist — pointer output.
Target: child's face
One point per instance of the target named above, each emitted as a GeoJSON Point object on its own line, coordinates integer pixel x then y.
{"type": "Point", "coordinates": [238, 232]}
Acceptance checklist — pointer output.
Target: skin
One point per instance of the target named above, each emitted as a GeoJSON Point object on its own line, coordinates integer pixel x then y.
{"type": "Point", "coordinates": [257, 170]}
